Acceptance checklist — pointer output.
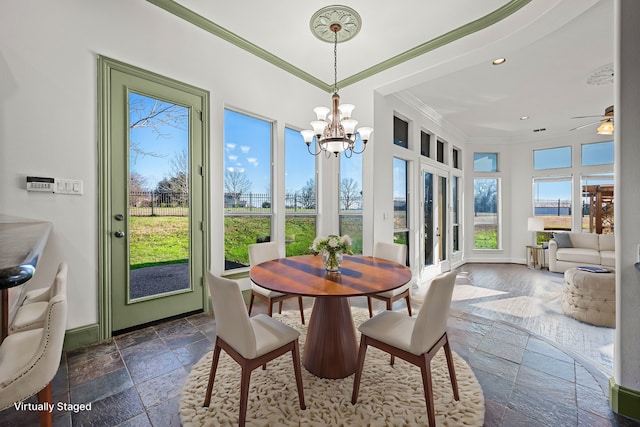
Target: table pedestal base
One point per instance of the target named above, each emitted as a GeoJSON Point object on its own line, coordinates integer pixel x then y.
{"type": "Point", "coordinates": [330, 349]}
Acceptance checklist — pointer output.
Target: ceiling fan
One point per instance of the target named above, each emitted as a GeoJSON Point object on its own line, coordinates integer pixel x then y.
{"type": "Point", "coordinates": [605, 121]}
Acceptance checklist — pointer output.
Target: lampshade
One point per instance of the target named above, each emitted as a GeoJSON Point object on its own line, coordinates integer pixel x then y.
{"type": "Point", "coordinates": [606, 128]}
{"type": "Point", "coordinates": [535, 224]}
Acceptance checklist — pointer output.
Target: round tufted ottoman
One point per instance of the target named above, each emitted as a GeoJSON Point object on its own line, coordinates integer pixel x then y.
{"type": "Point", "coordinates": [590, 297]}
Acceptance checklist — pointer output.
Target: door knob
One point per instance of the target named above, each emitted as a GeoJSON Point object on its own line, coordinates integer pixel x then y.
{"type": "Point", "coordinates": [119, 233]}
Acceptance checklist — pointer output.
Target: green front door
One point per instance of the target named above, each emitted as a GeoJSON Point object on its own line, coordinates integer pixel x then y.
{"type": "Point", "coordinates": [155, 198]}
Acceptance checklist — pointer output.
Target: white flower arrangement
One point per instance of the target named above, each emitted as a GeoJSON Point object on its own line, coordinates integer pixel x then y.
{"type": "Point", "coordinates": [332, 244]}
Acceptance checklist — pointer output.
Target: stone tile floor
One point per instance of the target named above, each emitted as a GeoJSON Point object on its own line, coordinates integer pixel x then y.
{"type": "Point", "coordinates": [135, 379]}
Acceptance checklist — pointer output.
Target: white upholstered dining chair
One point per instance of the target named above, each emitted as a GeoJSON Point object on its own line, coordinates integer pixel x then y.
{"type": "Point", "coordinates": [31, 314]}
{"type": "Point", "coordinates": [396, 253]}
{"type": "Point", "coordinates": [258, 253]}
{"type": "Point", "coordinates": [30, 359]}
{"type": "Point", "coordinates": [250, 341]}
{"type": "Point", "coordinates": [416, 340]}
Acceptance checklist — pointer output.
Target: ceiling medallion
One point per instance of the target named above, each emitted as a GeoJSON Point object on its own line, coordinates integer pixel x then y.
{"type": "Point", "coordinates": [348, 19]}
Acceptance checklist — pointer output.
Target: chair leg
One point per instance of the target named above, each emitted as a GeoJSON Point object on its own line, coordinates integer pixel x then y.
{"type": "Point", "coordinates": [370, 307]}
{"type": "Point", "coordinates": [408, 298]}
{"type": "Point", "coordinates": [296, 369]}
{"type": "Point", "coordinates": [280, 308]}
{"type": "Point", "coordinates": [270, 309]}
{"type": "Point", "coordinates": [212, 374]}
{"type": "Point", "coordinates": [301, 309]}
{"type": "Point", "coordinates": [425, 367]}
{"type": "Point", "coordinates": [356, 380]}
{"type": "Point", "coordinates": [44, 395]}
{"type": "Point", "coordinates": [452, 369]}
{"type": "Point", "coordinates": [251, 303]}
{"type": "Point", "coordinates": [244, 395]}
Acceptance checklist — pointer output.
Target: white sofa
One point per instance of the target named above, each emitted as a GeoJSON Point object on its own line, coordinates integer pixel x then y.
{"type": "Point", "coordinates": [581, 249]}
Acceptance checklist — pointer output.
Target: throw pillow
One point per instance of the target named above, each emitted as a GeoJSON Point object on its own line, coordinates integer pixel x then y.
{"type": "Point", "coordinates": [563, 240]}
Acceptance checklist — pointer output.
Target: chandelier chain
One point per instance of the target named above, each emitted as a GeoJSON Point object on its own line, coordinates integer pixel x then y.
{"type": "Point", "coordinates": [335, 62]}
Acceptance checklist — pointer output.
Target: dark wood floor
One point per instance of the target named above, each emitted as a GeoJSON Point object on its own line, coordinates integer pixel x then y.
{"type": "Point", "coordinates": [528, 379]}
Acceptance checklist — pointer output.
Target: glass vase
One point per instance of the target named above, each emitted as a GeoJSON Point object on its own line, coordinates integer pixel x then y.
{"type": "Point", "coordinates": [332, 260]}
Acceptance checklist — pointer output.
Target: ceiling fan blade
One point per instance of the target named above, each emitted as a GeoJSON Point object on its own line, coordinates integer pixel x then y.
{"type": "Point", "coordinates": [588, 117]}
{"type": "Point", "coordinates": [587, 125]}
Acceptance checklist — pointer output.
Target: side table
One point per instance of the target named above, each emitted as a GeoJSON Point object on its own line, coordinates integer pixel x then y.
{"type": "Point", "coordinates": [535, 257]}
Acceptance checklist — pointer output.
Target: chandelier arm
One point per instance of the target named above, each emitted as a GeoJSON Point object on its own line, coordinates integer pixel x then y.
{"type": "Point", "coordinates": [311, 152]}
{"type": "Point", "coordinates": [364, 147]}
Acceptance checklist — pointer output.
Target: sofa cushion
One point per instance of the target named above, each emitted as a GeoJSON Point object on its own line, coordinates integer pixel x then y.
{"type": "Point", "coordinates": [607, 242]}
{"type": "Point", "coordinates": [582, 255]}
{"type": "Point", "coordinates": [608, 258]}
{"type": "Point", "coordinates": [585, 240]}
{"type": "Point", "coordinates": [563, 240]}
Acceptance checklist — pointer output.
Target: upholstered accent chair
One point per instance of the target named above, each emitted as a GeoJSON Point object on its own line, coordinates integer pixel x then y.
{"type": "Point", "coordinates": [30, 359]}
{"type": "Point", "coordinates": [416, 340]}
{"type": "Point", "coordinates": [396, 253]}
{"type": "Point", "coordinates": [250, 341]}
{"type": "Point", "coordinates": [258, 253]}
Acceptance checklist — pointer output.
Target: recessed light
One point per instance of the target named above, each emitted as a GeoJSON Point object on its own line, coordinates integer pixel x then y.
{"type": "Point", "coordinates": [524, 118]}
{"type": "Point", "coordinates": [499, 61]}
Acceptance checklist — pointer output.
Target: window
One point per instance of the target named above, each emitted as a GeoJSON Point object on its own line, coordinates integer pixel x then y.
{"type": "Point", "coordinates": [455, 211]}
{"type": "Point", "coordinates": [456, 158]}
{"type": "Point", "coordinates": [300, 198]}
{"type": "Point", "coordinates": [247, 185]}
{"type": "Point", "coordinates": [485, 218]}
{"type": "Point", "coordinates": [598, 203]}
{"type": "Point", "coordinates": [553, 202]}
{"type": "Point", "coordinates": [552, 158]}
{"type": "Point", "coordinates": [485, 162]}
{"type": "Point", "coordinates": [440, 149]}
{"type": "Point", "coordinates": [400, 132]}
{"type": "Point", "coordinates": [400, 203]}
{"type": "Point", "coordinates": [599, 153]}
{"type": "Point", "coordinates": [350, 216]}
{"type": "Point", "coordinates": [425, 144]}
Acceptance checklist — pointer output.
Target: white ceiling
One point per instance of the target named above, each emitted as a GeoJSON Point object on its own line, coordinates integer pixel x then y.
{"type": "Point", "coordinates": [551, 46]}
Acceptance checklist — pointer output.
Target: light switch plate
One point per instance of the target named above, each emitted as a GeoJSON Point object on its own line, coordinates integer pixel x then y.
{"type": "Point", "coordinates": [68, 186]}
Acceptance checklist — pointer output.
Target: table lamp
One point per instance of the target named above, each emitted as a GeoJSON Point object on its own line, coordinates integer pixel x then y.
{"type": "Point", "coordinates": [535, 224]}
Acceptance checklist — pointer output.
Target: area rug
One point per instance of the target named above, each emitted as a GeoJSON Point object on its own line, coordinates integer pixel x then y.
{"type": "Point", "coordinates": [389, 395]}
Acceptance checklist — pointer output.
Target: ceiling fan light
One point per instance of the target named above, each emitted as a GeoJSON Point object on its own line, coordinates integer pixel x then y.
{"type": "Point", "coordinates": [606, 128]}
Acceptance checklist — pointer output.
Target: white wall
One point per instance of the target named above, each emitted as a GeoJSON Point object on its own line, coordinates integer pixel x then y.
{"type": "Point", "coordinates": [48, 124]}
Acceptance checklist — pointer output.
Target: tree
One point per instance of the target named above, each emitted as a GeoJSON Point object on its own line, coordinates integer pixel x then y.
{"type": "Point", "coordinates": [350, 194]}
{"type": "Point", "coordinates": [137, 182]}
{"type": "Point", "coordinates": [485, 195]}
{"type": "Point", "coordinates": [235, 185]}
{"type": "Point", "coordinates": [146, 112]}
{"type": "Point", "coordinates": [308, 195]}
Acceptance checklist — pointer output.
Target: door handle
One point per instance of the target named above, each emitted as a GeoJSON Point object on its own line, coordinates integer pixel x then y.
{"type": "Point", "coordinates": [119, 217]}
{"type": "Point", "coordinates": [119, 234]}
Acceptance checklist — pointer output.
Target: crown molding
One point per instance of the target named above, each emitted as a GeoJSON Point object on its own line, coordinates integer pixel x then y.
{"type": "Point", "coordinates": [211, 27]}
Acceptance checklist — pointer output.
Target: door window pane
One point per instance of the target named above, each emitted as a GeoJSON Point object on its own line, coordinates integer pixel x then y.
{"type": "Point", "coordinates": [485, 221]}
{"type": "Point", "coordinates": [158, 196]}
{"type": "Point", "coordinates": [455, 212]}
{"type": "Point", "coordinates": [485, 162]}
{"type": "Point", "coordinates": [247, 185]}
{"type": "Point", "coordinates": [428, 219]}
{"type": "Point", "coordinates": [552, 158]}
{"type": "Point", "coordinates": [400, 208]}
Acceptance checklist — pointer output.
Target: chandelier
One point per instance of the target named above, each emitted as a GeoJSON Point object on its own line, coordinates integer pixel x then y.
{"type": "Point", "coordinates": [334, 131]}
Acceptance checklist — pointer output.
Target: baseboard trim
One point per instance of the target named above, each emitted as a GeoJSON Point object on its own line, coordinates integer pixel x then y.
{"type": "Point", "coordinates": [79, 337]}
{"type": "Point", "coordinates": [624, 401]}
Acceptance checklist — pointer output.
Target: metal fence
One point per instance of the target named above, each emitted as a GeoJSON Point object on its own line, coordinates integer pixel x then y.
{"type": "Point", "coordinates": [556, 207]}
{"type": "Point", "coordinates": [158, 203]}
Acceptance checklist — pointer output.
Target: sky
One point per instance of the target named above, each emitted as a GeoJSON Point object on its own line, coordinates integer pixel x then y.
{"type": "Point", "coordinates": [247, 149]}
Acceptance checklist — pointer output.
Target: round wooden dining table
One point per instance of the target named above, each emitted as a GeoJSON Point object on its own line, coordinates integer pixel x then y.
{"type": "Point", "coordinates": [330, 349]}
